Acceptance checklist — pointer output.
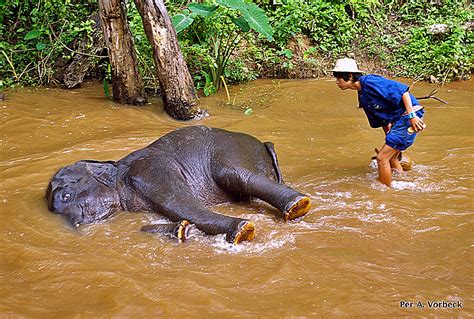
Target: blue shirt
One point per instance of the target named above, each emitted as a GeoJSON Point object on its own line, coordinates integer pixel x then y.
{"type": "Point", "coordinates": [381, 99]}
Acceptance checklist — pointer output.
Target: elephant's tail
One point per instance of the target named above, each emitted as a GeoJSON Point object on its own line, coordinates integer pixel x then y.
{"type": "Point", "coordinates": [271, 151]}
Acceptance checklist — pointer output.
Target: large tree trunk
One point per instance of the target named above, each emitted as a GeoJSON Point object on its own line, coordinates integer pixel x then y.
{"type": "Point", "coordinates": [179, 95]}
{"type": "Point", "coordinates": [127, 86]}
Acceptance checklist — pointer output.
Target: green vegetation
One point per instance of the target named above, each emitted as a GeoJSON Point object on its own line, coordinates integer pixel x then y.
{"type": "Point", "coordinates": [406, 43]}
{"type": "Point", "coordinates": [217, 30]}
{"type": "Point", "coordinates": [34, 35]}
{"type": "Point", "coordinates": [448, 55]}
{"type": "Point", "coordinates": [240, 41]}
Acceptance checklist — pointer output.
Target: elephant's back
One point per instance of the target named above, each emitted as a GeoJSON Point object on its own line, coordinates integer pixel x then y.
{"type": "Point", "coordinates": [245, 151]}
{"type": "Point", "coordinates": [198, 148]}
{"type": "Point", "coordinates": [184, 135]}
{"type": "Point", "coordinates": [200, 140]}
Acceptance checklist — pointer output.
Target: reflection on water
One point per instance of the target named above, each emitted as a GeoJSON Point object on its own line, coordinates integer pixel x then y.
{"type": "Point", "coordinates": [361, 250]}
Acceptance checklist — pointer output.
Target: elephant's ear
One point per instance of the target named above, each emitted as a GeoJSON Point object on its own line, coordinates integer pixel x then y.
{"type": "Point", "coordinates": [103, 172]}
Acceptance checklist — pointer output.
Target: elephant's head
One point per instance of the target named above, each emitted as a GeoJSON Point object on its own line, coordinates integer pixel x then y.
{"type": "Point", "coordinates": [84, 192]}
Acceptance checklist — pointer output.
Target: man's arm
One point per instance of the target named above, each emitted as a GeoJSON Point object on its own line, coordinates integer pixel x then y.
{"type": "Point", "coordinates": [415, 122]}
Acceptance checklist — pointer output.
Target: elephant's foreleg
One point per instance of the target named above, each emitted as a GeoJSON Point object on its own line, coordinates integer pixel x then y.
{"type": "Point", "coordinates": [236, 229]}
{"type": "Point", "coordinates": [290, 202]}
{"type": "Point", "coordinates": [173, 199]}
{"type": "Point", "coordinates": [178, 230]}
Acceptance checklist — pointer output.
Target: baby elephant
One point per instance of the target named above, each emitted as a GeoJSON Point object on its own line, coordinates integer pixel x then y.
{"type": "Point", "coordinates": [179, 176]}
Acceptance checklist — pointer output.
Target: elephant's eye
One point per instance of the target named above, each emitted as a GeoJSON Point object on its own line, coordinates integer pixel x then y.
{"type": "Point", "coordinates": [66, 197]}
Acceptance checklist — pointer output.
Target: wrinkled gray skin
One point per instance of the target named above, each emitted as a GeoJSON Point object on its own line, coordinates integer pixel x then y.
{"type": "Point", "coordinates": [179, 176]}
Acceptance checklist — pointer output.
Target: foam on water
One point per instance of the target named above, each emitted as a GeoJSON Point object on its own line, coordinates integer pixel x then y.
{"type": "Point", "coordinates": [269, 236]}
{"type": "Point", "coordinates": [434, 228]}
{"type": "Point", "coordinates": [420, 179]}
{"type": "Point", "coordinates": [347, 205]}
{"type": "Point", "coordinates": [273, 241]}
{"type": "Point", "coordinates": [338, 208]}
{"type": "Point", "coordinates": [404, 185]}
{"type": "Point", "coordinates": [373, 164]}
{"type": "Point", "coordinates": [264, 241]}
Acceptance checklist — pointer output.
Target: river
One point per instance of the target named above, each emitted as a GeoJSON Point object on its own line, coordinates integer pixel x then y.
{"type": "Point", "coordinates": [362, 250]}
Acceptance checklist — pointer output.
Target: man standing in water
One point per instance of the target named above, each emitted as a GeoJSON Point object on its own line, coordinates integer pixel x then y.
{"type": "Point", "coordinates": [387, 104]}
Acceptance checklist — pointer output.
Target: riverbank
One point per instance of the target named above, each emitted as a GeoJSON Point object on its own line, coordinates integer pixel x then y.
{"type": "Point", "coordinates": [56, 43]}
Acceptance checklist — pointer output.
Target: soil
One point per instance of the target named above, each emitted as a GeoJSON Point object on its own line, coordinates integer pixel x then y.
{"type": "Point", "coordinates": [308, 64]}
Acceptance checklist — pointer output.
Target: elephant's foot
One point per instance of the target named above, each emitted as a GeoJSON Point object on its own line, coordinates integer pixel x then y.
{"type": "Point", "coordinates": [297, 208]}
{"type": "Point", "coordinates": [179, 230]}
{"type": "Point", "coordinates": [245, 232]}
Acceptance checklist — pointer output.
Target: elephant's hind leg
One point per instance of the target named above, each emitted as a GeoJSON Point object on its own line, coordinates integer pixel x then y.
{"type": "Point", "coordinates": [297, 208]}
{"type": "Point", "coordinates": [291, 203]}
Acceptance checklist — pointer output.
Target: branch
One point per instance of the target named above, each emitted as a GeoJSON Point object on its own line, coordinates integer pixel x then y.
{"type": "Point", "coordinates": [74, 51]}
{"type": "Point", "coordinates": [11, 65]}
{"type": "Point", "coordinates": [432, 95]}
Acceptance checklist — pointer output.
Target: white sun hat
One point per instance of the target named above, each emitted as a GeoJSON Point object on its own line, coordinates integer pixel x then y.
{"type": "Point", "coordinates": [346, 65]}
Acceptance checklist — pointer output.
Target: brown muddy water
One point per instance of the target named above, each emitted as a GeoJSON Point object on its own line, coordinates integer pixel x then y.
{"type": "Point", "coordinates": [360, 251]}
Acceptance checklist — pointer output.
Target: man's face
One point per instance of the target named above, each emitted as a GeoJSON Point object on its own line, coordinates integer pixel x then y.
{"type": "Point", "coordinates": [343, 85]}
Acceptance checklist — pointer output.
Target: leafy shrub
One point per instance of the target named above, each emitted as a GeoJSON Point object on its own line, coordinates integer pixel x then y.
{"type": "Point", "coordinates": [392, 33]}
{"type": "Point", "coordinates": [33, 35]}
{"type": "Point", "coordinates": [447, 57]}
{"type": "Point", "coordinates": [220, 26]}
{"type": "Point", "coordinates": [328, 24]}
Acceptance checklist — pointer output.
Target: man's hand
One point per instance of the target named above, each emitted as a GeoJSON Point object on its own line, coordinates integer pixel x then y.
{"type": "Point", "coordinates": [417, 124]}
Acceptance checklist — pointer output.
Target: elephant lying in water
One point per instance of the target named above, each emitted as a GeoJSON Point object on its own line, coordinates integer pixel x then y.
{"type": "Point", "coordinates": [179, 175]}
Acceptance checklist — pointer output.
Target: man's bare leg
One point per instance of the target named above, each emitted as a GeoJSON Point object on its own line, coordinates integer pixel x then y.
{"type": "Point", "coordinates": [383, 161]}
{"type": "Point", "coordinates": [395, 163]}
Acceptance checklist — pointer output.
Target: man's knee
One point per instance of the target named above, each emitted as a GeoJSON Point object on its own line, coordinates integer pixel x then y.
{"type": "Point", "coordinates": [382, 158]}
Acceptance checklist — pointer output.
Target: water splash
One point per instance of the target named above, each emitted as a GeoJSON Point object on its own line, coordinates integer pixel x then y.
{"type": "Point", "coordinates": [400, 185]}
{"type": "Point", "coordinates": [273, 241]}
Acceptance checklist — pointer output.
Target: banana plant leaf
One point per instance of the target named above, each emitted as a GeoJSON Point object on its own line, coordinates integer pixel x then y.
{"type": "Point", "coordinates": [255, 17]}
{"type": "Point", "coordinates": [181, 21]}
{"type": "Point", "coordinates": [200, 9]}
{"type": "Point", "coordinates": [241, 23]}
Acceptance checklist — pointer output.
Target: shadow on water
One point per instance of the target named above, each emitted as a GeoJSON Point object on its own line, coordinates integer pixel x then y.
{"type": "Point", "coordinates": [361, 250]}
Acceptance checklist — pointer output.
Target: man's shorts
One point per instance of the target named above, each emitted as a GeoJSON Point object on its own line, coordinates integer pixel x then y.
{"type": "Point", "coordinates": [398, 136]}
